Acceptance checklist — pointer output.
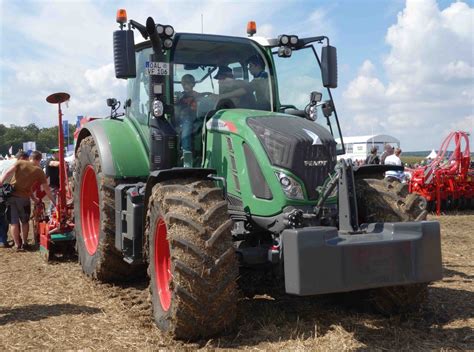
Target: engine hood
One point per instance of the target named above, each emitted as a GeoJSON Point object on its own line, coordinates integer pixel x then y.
{"type": "Point", "coordinates": [303, 147]}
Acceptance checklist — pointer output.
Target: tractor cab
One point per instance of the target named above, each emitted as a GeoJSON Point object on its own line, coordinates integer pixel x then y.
{"type": "Point", "coordinates": [193, 76]}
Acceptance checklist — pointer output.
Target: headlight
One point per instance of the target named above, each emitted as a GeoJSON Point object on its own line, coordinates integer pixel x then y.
{"type": "Point", "coordinates": [157, 108]}
{"type": "Point", "coordinates": [290, 186]}
{"type": "Point", "coordinates": [167, 43]}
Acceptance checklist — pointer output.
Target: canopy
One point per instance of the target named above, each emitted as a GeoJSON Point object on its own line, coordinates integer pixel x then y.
{"type": "Point", "coordinates": [432, 155]}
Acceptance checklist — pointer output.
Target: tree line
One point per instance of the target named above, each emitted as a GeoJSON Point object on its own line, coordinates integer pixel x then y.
{"type": "Point", "coordinates": [46, 138]}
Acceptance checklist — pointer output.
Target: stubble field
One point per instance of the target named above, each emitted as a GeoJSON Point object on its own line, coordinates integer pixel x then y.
{"type": "Point", "coordinates": [54, 306]}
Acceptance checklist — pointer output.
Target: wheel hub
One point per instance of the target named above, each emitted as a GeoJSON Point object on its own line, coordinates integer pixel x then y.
{"type": "Point", "coordinates": [90, 212]}
{"type": "Point", "coordinates": [162, 263]}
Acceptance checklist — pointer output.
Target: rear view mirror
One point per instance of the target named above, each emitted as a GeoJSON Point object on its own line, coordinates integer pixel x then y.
{"type": "Point", "coordinates": [111, 102]}
{"type": "Point", "coordinates": [329, 66]}
{"type": "Point", "coordinates": [124, 54]}
{"type": "Point", "coordinates": [238, 72]}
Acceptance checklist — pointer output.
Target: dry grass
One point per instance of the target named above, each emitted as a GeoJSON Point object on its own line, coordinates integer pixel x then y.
{"type": "Point", "coordinates": [53, 306]}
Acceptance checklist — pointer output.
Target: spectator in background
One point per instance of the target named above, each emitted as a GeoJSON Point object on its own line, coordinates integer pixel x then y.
{"type": "Point", "coordinates": [394, 159]}
{"type": "Point", "coordinates": [52, 172]}
{"type": "Point", "coordinates": [21, 155]}
{"type": "Point", "coordinates": [3, 224]}
{"type": "Point", "coordinates": [373, 158]}
{"type": "Point", "coordinates": [26, 174]}
{"type": "Point", "coordinates": [388, 150]}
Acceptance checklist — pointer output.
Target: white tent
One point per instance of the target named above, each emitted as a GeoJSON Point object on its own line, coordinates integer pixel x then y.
{"type": "Point", "coordinates": [432, 155]}
{"type": "Point", "coordinates": [358, 147]}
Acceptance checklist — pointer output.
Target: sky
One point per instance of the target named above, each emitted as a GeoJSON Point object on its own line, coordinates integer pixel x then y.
{"type": "Point", "coordinates": [406, 68]}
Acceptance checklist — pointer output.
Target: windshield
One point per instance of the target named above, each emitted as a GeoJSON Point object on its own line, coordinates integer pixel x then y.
{"type": "Point", "coordinates": [213, 69]}
{"type": "Point", "coordinates": [298, 76]}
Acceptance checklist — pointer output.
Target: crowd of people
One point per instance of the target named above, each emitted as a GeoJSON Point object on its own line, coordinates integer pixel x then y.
{"type": "Point", "coordinates": [390, 156]}
{"type": "Point", "coordinates": [25, 175]}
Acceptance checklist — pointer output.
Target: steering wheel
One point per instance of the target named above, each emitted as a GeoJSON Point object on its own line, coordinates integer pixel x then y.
{"type": "Point", "coordinates": [224, 104]}
{"type": "Point", "coordinates": [287, 106]}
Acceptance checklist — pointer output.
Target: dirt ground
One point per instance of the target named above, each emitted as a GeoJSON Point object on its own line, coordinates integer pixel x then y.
{"type": "Point", "coordinates": [54, 306]}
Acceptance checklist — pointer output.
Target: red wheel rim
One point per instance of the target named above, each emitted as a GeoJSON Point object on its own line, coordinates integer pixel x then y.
{"type": "Point", "coordinates": [90, 213]}
{"type": "Point", "coordinates": [162, 265]}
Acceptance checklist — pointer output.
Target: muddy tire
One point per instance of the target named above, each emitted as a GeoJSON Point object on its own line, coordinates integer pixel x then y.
{"type": "Point", "coordinates": [382, 201]}
{"type": "Point", "coordinates": [192, 264]}
{"type": "Point", "coordinates": [94, 214]}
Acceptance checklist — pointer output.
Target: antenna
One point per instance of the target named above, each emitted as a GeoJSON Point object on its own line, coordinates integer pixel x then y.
{"type": "Point", "coordinates": [202, 24]}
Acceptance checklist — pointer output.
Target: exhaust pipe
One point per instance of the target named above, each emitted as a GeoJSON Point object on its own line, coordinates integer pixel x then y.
{"type": "Point", "coordinates": [154, 37]}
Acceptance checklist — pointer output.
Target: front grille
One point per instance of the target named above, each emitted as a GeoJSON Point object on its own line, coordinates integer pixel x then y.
{"type": "Point", "coordinates": [296, 144]}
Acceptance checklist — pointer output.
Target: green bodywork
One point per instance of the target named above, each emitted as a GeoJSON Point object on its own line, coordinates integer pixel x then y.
{"type": "Point", "coordinates": [218, 157]}
{"type": "Point", "coordinates": [128, 142]}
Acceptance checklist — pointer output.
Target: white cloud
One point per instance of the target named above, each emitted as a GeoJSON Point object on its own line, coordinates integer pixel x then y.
{"type": "Point", "coordinates": [429, 77]}
{"type": "Point", "coordinates": [72, 46]}
{"type": "Point", "coordinates": [465, 124]}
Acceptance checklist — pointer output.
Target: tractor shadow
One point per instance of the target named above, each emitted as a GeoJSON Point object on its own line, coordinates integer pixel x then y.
{"type": "Point", "coordinates": [449, 275]}
{"type": "Point", "coordinates": [266, 319]}
{"type": "Point", "coordinates": [35, 312]}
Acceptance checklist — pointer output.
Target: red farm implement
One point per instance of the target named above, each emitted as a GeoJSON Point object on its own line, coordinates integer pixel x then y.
{"type": "Point", "coordinates": [56, 231]}
{"type": "Point", "coordinates": [448, 181]}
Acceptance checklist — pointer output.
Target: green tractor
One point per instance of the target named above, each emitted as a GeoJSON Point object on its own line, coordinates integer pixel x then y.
{"type": "Point", "coordinates": [214, 168]}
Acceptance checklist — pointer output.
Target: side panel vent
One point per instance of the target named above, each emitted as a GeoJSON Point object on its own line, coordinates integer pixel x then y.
{"type": "Point", "coordinates": [257, 181]}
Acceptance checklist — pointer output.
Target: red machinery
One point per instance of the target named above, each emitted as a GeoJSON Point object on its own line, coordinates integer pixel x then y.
{"type": "Point", "coordinates": [447, 182]}
{"type": "Point", "coordinates": [56, 233]}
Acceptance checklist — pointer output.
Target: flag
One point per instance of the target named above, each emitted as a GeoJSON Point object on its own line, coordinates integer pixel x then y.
{"type": "Point", "coordinates": [66, 128]}
{"type": "Point", "coordinates": [10, 151]}
{"type": "Point", "coordinates": [78, 122]}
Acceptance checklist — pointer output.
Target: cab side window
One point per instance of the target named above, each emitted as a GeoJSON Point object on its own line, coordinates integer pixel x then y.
{"type": "Point", "coordinates": [138, 90]}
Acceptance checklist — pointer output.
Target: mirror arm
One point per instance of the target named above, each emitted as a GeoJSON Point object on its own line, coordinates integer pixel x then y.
{"type": "Point", "coordinates": [140, 27]}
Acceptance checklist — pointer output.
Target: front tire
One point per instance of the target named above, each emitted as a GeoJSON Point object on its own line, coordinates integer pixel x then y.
{"type": "Point", "coordinates": [192, 264]}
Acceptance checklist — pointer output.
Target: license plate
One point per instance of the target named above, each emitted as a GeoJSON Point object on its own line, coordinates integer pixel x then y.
{"type": "Point", "coordinates": [157, 68]}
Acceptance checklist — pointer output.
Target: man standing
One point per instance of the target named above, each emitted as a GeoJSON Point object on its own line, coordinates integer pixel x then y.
{"type": "Point", "coordinates": [394, 159]}
{"type": "Point", "coordinates": [388, 150]}
{"type": "Point", "coordinates": [372, 159]}
{"type": "Point", "coordinates": [3, 222]}
{"type": "Point", "coordinates": [52, 172]}
{"type": "Point", "coordinates": [26, 175]}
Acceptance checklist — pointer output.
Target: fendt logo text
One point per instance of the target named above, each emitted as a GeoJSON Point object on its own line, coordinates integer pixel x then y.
{"type": "Point", "coordinates": [315, 162]}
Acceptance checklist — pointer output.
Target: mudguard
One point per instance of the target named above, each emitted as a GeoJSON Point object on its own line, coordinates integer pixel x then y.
{"type": "Point", "coordinates": [122, 150]}
{"type": "Point", "coordinates": [169, 174]}
{"type": "Point", "coordinates": [320, 260]}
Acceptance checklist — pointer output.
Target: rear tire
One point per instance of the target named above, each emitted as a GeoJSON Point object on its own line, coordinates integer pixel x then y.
{"type": "Point", "coordinates": [382, 201]}
{"type": "Point", "coordinates": [192, 264]}
{"type": "Point", "coordinates": [94, 214]}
